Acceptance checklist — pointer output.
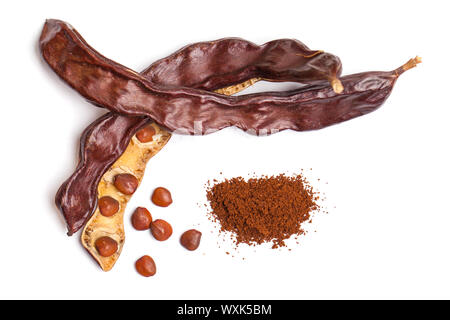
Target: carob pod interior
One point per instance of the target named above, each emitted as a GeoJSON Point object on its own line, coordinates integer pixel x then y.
{"type": "Point", "coordinates": [193, 111]}
{"type": "Point", "coordinates": [133, 161]}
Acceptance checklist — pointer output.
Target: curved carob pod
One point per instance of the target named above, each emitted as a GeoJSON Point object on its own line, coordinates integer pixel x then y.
{"type": "Point", "coordinates": [221, 63]}
{"type": "Point", "coordinates": [193, 111]}
{"type": "Point", "coordinates": [101, 144]}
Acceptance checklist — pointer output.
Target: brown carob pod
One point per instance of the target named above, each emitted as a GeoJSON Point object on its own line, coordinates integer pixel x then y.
{"type": "Point", "coordinates": [101, 144]}
{"type": "Point", "coordinates": [217, 64]}
{"type": "Point", "coordinates": [132, 161]}
{"type": "Point", "coordinates": [193, 111]}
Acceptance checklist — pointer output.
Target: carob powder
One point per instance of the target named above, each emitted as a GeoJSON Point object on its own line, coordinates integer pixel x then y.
{"type": "Point", "coordinates": [260, 210]}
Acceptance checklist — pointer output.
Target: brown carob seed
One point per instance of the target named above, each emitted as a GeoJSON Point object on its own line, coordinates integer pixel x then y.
{"type": "Point", "coordinates": [161, 230]}
{"type": "Point", "coordinates": [141, 219]}
{"type": "Point", "coordinates": [191, 239]}
{"type": "Point", "coordinates": [162, 197]}
{"type": "Point", "coordinates": [145, 266]}
{"type": "Point", "coordinates": [126, 183]}
{"type": "Point", "coordinates": [108, 206]}
{"type": "Point", "coordinates": [146, 134]}
{"type": "Point", "coordinates": [106, 246]}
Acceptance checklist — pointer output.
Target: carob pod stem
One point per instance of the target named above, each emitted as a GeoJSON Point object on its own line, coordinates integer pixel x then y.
{"type": "Point", "coordinates": [193, 111]}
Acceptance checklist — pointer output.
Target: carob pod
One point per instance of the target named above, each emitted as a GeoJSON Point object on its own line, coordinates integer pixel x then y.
{"type": "Point", "coordinates": [101, 144]}
{"type": "Point", "coordinates": [214, 65]}
{"type": "Point", "coordinates": [132, 162]}
{"type": "Point", "coordinates": [193, 111]}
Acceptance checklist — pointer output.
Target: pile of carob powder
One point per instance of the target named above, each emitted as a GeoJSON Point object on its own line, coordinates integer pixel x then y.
{"type": "Point", "coordinates": [267, 209]}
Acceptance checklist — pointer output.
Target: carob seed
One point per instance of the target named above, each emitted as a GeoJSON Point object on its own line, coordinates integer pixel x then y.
{"type": "Point", "coordinates": [146, 134]}
{"type": "Point", "coordinates": [162, 197]}
{"type": "Point", "coordinates": [141, 219]}
{"type": "Point", "coordinates": [108, 206]}
{"type": "Point", "coordinates": [161, 230]}
{"type": "Point", "coordinates": [191, 239]}
{"type": "Point", "coordinates": [106, 246]}
{"type": "Point", "coordinates": [145, 266]}
{"type": "Point", "coordinates": [126, 183]}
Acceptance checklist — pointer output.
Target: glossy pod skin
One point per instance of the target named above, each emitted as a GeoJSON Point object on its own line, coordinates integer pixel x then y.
{"type": "Point", "coordinates": [217, 64]}
{"type": "Point", "coordinates": [101, 145]}
{"type": "Point", "coordinates": [193, 111]}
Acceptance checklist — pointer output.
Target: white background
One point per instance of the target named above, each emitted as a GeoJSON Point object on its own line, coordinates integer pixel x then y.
{"type": "Point", "coordinates": [387, 232]}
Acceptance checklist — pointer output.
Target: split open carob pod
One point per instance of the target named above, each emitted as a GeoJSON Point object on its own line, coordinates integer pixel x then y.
{"type": "Point", "coordinates": [132, 162]}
